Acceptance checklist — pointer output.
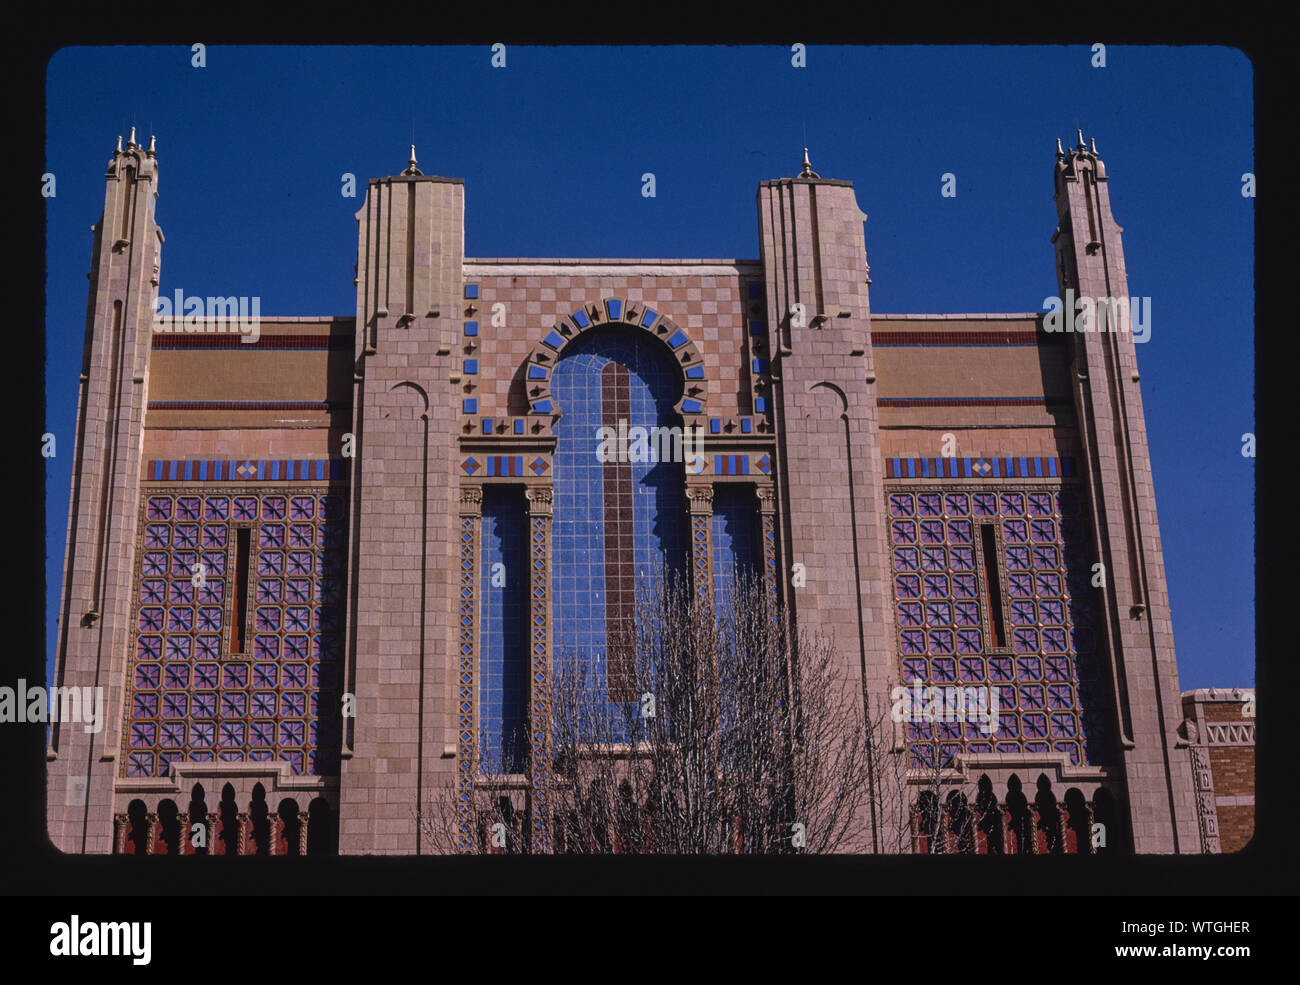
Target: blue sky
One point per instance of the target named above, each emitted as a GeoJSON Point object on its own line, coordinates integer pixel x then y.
{"type": "Point", "coordinates": [252, 147]}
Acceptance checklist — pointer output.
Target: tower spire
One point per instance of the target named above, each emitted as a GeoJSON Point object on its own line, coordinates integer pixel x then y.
{"type": "Point", "coordinates": [807, 171]}
{"type": "Point", "coordinates": [410, 165]}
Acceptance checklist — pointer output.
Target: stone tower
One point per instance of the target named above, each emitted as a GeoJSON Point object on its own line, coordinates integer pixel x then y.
{"type": "Point", "coordinates": [1136, 625]}
{"type": "Point", "coordinates": [404, 501]}
{"type": "Point", "coordinates": [814, 264]}
{"type": "Point", "coordinates": [95, 613]}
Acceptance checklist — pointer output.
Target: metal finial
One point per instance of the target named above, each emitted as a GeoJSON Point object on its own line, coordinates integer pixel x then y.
{"type": "Point", "coordinates": [807, 171]}
{"type": "Point", "coordinates": [1092, 144]}
{"type": "Point", "coordinates": [131, 141]}
{"type": "Point", "coordinates": [119, 144]}
{"type": "Point", "coordinates": [153, 145]}
{"type": "Point", "coordinates": [1080, 133]}
{"type": "Point", "coordinates": [1060, 151]}
{"type": "Point", "coordinates": [410, 165]}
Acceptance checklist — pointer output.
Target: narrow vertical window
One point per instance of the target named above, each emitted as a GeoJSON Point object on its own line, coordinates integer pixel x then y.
{"type": "Point", "coordinates": [239, 620]}
{"type": "Point", "coordinates": [993, 585]}
{"type": "Point", "coordinates": [503, 629]}
{"type": "Point", "coordinates": [737, 550]}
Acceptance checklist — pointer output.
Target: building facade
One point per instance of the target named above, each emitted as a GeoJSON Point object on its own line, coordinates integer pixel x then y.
{"type": "Point", "coordinates": [1219, 724]}
{"type": "Point", "coordinates": [286, 535]}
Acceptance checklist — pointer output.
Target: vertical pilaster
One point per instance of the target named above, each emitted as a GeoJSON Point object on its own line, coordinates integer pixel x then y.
{"type": "Point", "coordinates": [699, 498]}
{"type": "Point", "coordinates": [1138, 626]}
{"type": "Point", "coordinates": [540, 511]}
{"type": "Point", "coordinates": [471, 526]}
{"type": "Point", "coordinates": [95, 611]}
{"type": "Point", "coordinates": [767, 532]}
{"type": "Point", "coordinates": [1207, 811]}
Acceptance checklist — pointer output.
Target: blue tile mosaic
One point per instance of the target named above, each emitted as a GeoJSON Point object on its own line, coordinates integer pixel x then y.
{"type": "Point", "coordinates": [503, 629]}
{"type": "Point", "coordinates": [736, 546]}
{"type": "Point", "coordinates": [582, 569]}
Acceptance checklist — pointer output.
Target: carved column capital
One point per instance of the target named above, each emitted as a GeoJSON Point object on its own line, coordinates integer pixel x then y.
{"type": "Point", "coordinates": [471, 500]}
{"type": "Point", "coordinates": [700, 498]}
{"type": "Point", "coordinates": [540, 500]}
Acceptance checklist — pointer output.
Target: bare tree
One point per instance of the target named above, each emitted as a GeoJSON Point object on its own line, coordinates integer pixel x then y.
{"type": "Point", "coordinates": [709, 726]}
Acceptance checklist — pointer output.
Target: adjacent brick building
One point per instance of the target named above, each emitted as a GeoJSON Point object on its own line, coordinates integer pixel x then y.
{"type": "Point", "coordinates": [1219, 724]}
{"type": "Point", "coordinates": [262, 532]}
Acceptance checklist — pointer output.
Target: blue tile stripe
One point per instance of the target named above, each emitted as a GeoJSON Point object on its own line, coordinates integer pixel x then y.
{"type": "Point", "coordinates": [505, 466]}
{"type": "Point", "coordinates": [502, 427]}
{"type": "Point", "coordinates": [978, 468]}
{"type": "Point", "coordinates": [238, 470]}
{"type": "Point", "coordinates": [731, 465]}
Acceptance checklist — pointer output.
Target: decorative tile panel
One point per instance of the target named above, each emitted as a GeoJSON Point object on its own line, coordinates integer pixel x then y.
{"type": "Point", "coordinates": [1051, 695]}
{"type": "Point", "coordinates": [189, 697]}
{"type": "Point", "coordinates": [615, 523]}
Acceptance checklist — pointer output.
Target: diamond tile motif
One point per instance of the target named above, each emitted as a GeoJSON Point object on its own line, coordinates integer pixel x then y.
{"type": "Point", "coordinates": [1047, 662]}
{"type": "Point", "coordinates": [291, 652]}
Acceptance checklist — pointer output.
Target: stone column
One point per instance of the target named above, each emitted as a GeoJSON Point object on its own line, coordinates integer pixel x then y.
{"type": "Point", "coordinates": [700, 501]}
{"type": "Point", "coordinates": [471, 524]}
{"type": "Point", "coordinates": [767, 531]}
{"type": "Point", "coordinates": [540, 502]}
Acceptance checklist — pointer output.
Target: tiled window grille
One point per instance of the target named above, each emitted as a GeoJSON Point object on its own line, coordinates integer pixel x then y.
{"type": "Point", "coordinates": [192, 695]}
{"type": "Point", "coordinates": [1047, 672]}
